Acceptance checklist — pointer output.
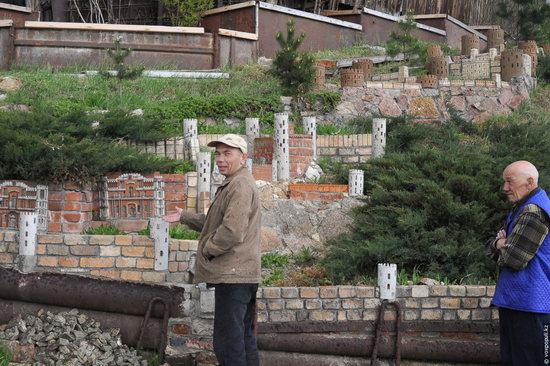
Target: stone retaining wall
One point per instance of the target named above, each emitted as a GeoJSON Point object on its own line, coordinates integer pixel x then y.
{"type": "Point", "coordinates": [306, 306]}
{"type": "Point", "coordinates": [474, 101]}
{"type": "Point", "coordinates": [348, 303]}
{"type": "Point", "coordinates": [131, 258]}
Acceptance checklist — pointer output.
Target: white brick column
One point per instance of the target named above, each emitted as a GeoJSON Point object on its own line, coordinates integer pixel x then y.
{"type": "Point", "coordinates": [28, 229]}
{"type": "Point", "coordinates": [252, 132]}
{"type": "Point", "coordinates": [161, 237]}
{"type": "Point", "coordinates": [282, 146]}
{"type": "Point", "coordinates": [310, 126]}
{"type": "Point", "coordinates": [191, 138]}
{"type": "Point", "coordinates": [378, 137]}
{"type": "Point", "coordinates": [356, 182]}
{"type": "Point", "coordinates": [387, 281]}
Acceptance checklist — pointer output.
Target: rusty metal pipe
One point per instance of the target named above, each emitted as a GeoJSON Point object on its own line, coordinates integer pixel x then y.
{"type": "Point", "coordinates": [271, 358]}
{"type": "Point", "coordinates": [74, 291]}
{"type": "Point", "coordinates": [360, 345]}
{"type": "Point", "coordinates": [129, 325]}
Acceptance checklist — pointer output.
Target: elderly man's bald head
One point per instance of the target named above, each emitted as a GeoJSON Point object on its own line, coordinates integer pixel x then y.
{"type": "Point", "coordinates": [520, 179]}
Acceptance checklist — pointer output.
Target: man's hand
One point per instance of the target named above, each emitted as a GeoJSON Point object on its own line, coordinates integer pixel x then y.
{"type": "Point", "coordinates": [500, 240]}
{"type": "Point", "coordinates": [175, 217]}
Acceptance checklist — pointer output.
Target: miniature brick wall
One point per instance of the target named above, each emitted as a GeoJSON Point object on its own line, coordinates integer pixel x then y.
{"type": "Point", "coordinates": [366, 65]}
{"type": "Point", "coordinates": [474, 70]}
{"type": "Point", "coordinates": [439, 66]}
{"type": "Point", "coordinates": [469, 42]}
{"type": "Point", "coordinates": [428, 81]}
{"type": "Point", "coordinates": [495, 38]}
{"type": "Point", "coordinates": [351, 77]}
{"type": "Point", "coordinates": [131, 258]}
{"type": "Point", "coordinates": [71, 207]}
{"type": "Point", "coordinates": [262, 172]}
{"type": "Point", "coordinates": [345, 148]}
{"type": "Point", "coordinates": [175, 187]}
{"type": "Point", "coordinates": [511, 64]}
{"type": "Point", "coordinates": [320, 75]}
{"type": "Point", "coordinates": [300, 150]}
{"type": "Point", "coordinates": [124, 257]}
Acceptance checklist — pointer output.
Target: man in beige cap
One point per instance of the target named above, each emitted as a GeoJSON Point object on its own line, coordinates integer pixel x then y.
{"type": "Point", "coordinates": [228, 254]}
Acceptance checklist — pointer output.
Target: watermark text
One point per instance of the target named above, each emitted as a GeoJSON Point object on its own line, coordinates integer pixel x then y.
{"type": "Point", "coordinates": [546, 358]}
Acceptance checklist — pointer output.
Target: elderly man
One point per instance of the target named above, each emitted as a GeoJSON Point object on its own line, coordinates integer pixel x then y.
{"type": "Point", "coordinates": [228, 255]}
{"type": "Point", "coordinates": [522, 251]}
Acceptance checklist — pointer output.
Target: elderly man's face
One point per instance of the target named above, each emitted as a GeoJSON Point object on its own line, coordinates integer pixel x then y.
{"type": "Point", "coordinates": [516, 185]}
{"type": "Point", "coordinates": [229, 159]}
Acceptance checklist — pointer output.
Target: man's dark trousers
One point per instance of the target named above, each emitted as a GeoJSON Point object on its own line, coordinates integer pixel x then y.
{"type": "Point", "coordinates": [523, 338]}
{"type": "Point", "coordinates": [235, 311]}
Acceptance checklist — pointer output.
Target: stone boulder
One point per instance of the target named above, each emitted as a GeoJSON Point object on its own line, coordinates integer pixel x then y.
{"type": "Point", "coordinates": [10, 84]}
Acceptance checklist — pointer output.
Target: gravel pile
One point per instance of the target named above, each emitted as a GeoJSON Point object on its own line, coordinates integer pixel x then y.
{"type": "Point", "coordinates": [67, 339]}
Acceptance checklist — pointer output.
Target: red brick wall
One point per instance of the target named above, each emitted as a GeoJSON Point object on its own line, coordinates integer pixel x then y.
{"type": "Point", "coordinates": [301, 154]}
{"type": "Point", "coordinates": [300, 151]}
{"type": "Point", "coordinates": [262, 172]}
{"type": "Point", "coordinates": [70, 207]}
{"type": "Point", "coordinates": [175, 187]}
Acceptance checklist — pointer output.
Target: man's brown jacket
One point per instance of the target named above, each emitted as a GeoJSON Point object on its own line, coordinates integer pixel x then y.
{"type": "Point", "coordinates": [229, 244]}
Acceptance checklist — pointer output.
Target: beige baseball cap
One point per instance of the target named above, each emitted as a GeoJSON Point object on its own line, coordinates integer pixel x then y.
{"type": "Point", "coordinates": [231, 140]}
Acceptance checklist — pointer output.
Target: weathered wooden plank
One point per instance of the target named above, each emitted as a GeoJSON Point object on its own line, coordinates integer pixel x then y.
{"type": "Point", "coordinates": [114, 27]}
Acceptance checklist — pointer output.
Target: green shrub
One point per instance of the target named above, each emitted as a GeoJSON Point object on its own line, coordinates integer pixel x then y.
{"type": "Point", "coordinates": [304, 257]}
{"type": "Point", "coordinates": [276, 263]}
{"type": "Point", "coordinates": [323, 100]}
{"type": "Point", "coordinates": [5, 356]}
{"type": "Point", "coordinates": [41, 147]}
{"type": "Point", "coordinates": [543, 69]}
{"type": "Point", "coordinates": [183, 233]}
{"type": "Point", "coordinates": [332, 129]}
{"type": "Point", "coordinates": [434, 198]}
{"type": "Point", "coordinates": [177, 232]}
{"type": "Point", "coordinates": [185, 167]}
{"type": "Point", "coordinates": [335, 172]}
{"type": "Point", "coordinates": [105, 230]}
{"type": "Point", "coordinates": [186, 13]}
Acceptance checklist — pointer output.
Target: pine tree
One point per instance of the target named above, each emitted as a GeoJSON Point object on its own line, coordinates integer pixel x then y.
{"type": "Point", "coordinates": [122, 71]}
{"type": "Point", "coordinates": [404, 42]}
{"type": "Point", "coordinates": [532, 19]}
{"type": "Point", "coordinates": [295, 70]}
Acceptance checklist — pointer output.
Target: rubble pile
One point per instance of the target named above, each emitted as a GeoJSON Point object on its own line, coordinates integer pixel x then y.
{"type": "Point", "coordinates": [68, 339]}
